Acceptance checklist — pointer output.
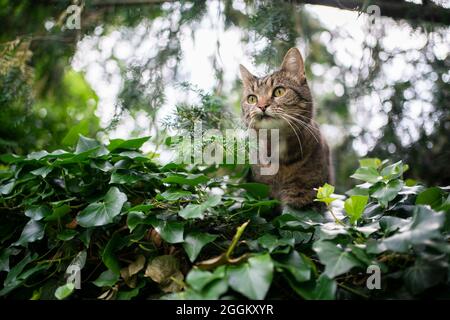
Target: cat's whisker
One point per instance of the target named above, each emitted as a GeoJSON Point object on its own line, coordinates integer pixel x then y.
{"type": "Point", "coordinates": [298, 138]}
{"type": "Point", "coordinates": [304, 124]}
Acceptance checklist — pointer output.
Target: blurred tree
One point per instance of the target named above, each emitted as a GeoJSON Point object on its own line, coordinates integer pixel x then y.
{"type": "Point", "coordinates": [42, 83]}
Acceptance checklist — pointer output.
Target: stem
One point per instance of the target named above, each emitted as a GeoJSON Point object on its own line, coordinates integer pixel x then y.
{"type": "Point", "coordinates": [353, 291]}
{"type": "Point", "coordinates": [237, 236]}
{"type": "Point", "coordinates": [335, 218]}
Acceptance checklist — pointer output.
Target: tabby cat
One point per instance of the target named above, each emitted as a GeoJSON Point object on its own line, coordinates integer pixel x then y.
{"type": "Point", "coordinates": [282, 100]}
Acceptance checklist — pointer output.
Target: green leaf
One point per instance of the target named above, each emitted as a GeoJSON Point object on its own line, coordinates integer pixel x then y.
{"type": "Point", "coordinates": [387, 192]}
{"type": "Point", "coordinates": [58, 212]}
{"type": "Point", "coordinates": [323, 288]}
{"type": "Point", "coordinates": [85, 144]}
{"type": "Point", "coordinates": [43, 171]}
{"type": "Point", "coordinates": [170, 231]}
{"type": "Point", "coordinates": [431, 196]}
{"type": "Point", "coordinates": [136, 218]}
{"type": "Point", "coordinates": [129, 294]}
{"type": "Point", "coordinates": [33, 231]}
{"type": "Point", "coordinates": [393, 171]}
{"type": "Point", "coordinates": [424, 226]}
{"type": "Point", "coordinates": [354, 207]}
{"type": "Point", "coordinates": [67, 234]}
{"type": "Point", "coordinates": [8, 187]}
{"type": "Point", "coordinates": [4, 258]}
{"type": "Point", "coordinates": [207, 285]}
{"type": "Point", "coordinates": [103, 212]}
{"type": "Point", "coordinates": [106, 279]}
{"type": "Point", "coordinates": [257, 190]}
{"type": "Point", "coordinates": [298, 265]}
{"type": "Point", "coordinates": [368, 174]}
{"type": "Point", "coordinates": [337, 261]}
{"type": "Point", "coordinates": [271, 242]}
{"type": "Point", "coordinates": [195, 241]}
{"type": "Point", "coordinates": [324, 194]}
{"type": "Point", "coordinates": [425, 273]}
{"type": "Point", "coordinates": [131, 144]}
{"type": "Point", "coordinates": [16, 276]}
{"type": "Point", "coordinates": [145, 208]}
{"type": "Point", "coordinates": [64, 291]}
{"type": "Point", "coordinates": [191, 180]}
{"type": "Point", "coordinates": [198, 278]}
{"type": "Point", "coordinates": [370, 163]}
{"type": "Point", "coordinates": [37, 213]}
{"type": "Point", "coordinates": [108, 256]}
{"type": "Point", "coordinates": [173, 195]}
{"type": "Point", "coordinates": [252, 278]}
{"type": "Point", "coordinates": [192, 211]}
{"type": "Point", "coordinates": [125, 177]}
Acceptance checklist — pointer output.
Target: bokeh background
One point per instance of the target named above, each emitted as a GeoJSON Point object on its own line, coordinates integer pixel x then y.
{"type": "Point", "coordinates": [380, 75]}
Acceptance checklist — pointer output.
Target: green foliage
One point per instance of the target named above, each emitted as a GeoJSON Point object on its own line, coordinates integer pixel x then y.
{"type": "Point", "coordinates": [138, 229]}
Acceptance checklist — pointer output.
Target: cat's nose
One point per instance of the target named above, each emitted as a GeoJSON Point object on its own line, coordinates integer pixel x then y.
{"type": "Point", "coordinates": [263, 107]}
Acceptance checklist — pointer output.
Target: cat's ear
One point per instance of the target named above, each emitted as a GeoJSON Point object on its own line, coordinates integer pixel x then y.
{"type": "Point", "coordinates": [246, 76]}
{"type": "Point", "coordinates": [293, 63]}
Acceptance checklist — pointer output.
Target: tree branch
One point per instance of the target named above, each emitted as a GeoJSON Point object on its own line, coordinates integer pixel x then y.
{"type": "Point", "coordinates": [428, 12]}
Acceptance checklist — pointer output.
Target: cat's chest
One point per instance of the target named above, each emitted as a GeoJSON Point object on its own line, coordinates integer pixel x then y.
{"type": "Point", "coordinates": [276, 180]}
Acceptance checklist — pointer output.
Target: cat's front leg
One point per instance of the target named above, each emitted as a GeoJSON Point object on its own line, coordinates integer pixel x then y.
{"type": "Point", "coordinates": [297, 197]}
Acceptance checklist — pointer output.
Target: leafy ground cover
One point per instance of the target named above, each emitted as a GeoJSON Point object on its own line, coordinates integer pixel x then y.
{"type": "Point", "coordinates": [138, 230]}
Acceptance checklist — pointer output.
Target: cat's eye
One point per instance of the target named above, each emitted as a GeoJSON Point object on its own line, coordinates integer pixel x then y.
{"type": "Point", "coordinates": [278, 92]}
{"type": "Point", "coordinates": [252, 99]}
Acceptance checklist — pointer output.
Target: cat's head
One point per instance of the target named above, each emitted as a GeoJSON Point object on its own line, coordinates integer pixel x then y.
{"type": "Point", "coordinates": [279, 100]}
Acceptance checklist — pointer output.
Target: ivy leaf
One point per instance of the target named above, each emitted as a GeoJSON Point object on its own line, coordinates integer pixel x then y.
{"type": "Point", "coordinates": [393, 171]}
{"type": "Point", "coordinates": [198, 278]}
{"type": "Point", "coordinates": [33, 231]}
{"type": "Point", "coordinates": [336, 260]}
{"type": "Point", "coordinates": [125, 177]}
{"type": "Point", "coordinates": [191, 180]}
{"type": "Point", "coordinates": [207, 285]}
{"type": "Point", "coordinates": [192, 211]}
{"type": "Point", "coordinates": [64, 291]}
{"type": "Point", "coordinates": [271, 242]}
{"type": "Point", "coordinates": [386, 192]}
{"type": "Point", "coordinates": [135, 218]}
{"type": "Point", "coordinates": [368, 174]}
{"type": "Point", "coordinates": [43, 171]}
{"type": "Point", "coordinates": [431, 196]}
{"type": "Point", "coordinates": [170, 231]}
{"type": "Point", "coordinates": [298, 265]}
{"type": "Point", "coordinates": [8, 187]}
{"type": "Point", "coordinates": [257, 190]}
{"type": "Point", "coordinates": [323, 288]}
{"type": "Point", "coordinates": [103, 212]}
{"type": "Point", "coordinates": [354, 207]}
{"type": "Point", "coordinates": [37, 213]}
{"type": "Point", "coordinates": [252, 278]}
{"type": "Point", "coordinates": [130, 144]}
{"type": "Point", "coordinates": [173, 195]}
{"type": "Point", "coordinates": [195, 241]}
{"type": "Point", "coordinates": [106, 279]}
{"type": "Point", "coordinates": [108, 255]}
{"type": "Point", "coordinates": [58, 212]}
{"type": "Point", "coordinates": [16, 276]}
{"type": "Point", "coordinates": [86, 144]}
{"type": "Point", "coordinates": [425, 273]}
{"type": "Point", "coordinates": [370, 162]}
{"type": "Point", "coordinates": [324, 194]}
{"type": "Point", "coordinates": [423, 227]}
